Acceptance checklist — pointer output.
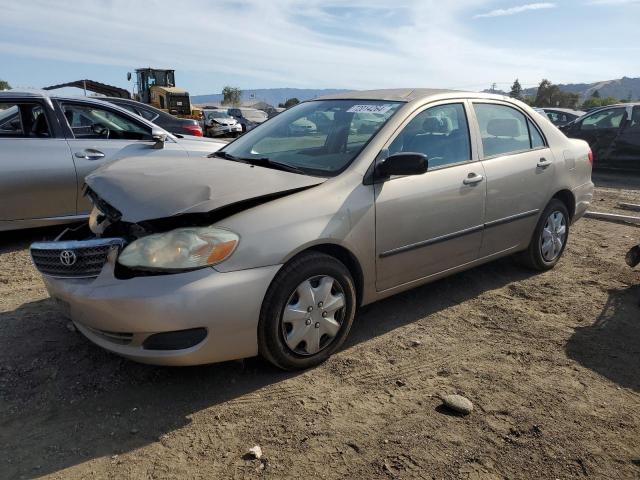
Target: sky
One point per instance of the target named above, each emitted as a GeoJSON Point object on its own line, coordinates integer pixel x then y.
{"type": "Point", "coordinates": [358, 44]}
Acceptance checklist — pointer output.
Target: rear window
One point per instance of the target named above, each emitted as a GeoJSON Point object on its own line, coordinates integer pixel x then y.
{"type": "Point", "coordinates": [505, 130]}
{"type": "Point", "coordinates": [23, 120]}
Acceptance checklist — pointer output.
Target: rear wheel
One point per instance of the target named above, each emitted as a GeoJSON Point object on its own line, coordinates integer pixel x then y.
{"type": "Point", "coordinates": [307, 312]}
{"type": "Point", "coordinates": [549, 238]}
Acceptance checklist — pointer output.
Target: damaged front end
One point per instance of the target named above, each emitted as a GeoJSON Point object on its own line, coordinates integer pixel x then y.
{"type": "Point", "coordinates": [157, 216]}
{"type": "Point", "coordinates": [101, 240]}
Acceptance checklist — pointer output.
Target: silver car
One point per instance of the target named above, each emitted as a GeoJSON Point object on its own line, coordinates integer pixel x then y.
{"type": "Point", "coordinates": [49, 143]}
{"type": "Point", "coordinates": [271, 245]}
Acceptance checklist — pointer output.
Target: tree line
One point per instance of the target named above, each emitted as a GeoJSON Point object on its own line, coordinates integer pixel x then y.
{"type": "Point", "coordinates": [232, 96]}
{"type": "Point", "coordinates": [550, 95]}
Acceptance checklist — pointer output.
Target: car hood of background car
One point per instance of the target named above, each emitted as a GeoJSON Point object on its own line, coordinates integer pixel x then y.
{"type": "Point", "coordinates": [224, 121]}
{"type": "Point", "coordinates": [148, 188]}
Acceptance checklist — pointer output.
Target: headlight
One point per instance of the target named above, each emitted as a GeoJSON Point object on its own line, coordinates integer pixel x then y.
{"type": "Point", "coordinates": [180, 249]}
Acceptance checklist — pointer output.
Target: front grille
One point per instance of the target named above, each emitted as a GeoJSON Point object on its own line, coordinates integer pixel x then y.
{"type": "Point", "coordinates": [73, 259]}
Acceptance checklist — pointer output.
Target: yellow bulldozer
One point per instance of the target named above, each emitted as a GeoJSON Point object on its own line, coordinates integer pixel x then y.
{"type": "Point", "coordinates": [157, 87]}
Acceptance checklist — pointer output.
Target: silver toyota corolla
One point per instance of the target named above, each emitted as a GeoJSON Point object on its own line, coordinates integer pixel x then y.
{"type": "Point", "coordinates": [269, 246]}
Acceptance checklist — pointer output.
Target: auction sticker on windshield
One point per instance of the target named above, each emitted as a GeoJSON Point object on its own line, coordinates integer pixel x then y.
{"type": "Point", "coordinates": [371, 108]}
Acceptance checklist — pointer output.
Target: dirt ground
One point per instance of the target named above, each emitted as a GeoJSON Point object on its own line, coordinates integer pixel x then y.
{"type": "Point", "coordinates": [551, 362]}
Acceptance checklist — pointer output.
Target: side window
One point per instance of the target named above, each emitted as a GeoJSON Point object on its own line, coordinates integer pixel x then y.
{"type": "Point", "coordinates": [536, 138]}
{"type": "Point", "coordinates": [87, 121]}
{"type": "Point", "coordinates": [503, 129]}
{"type": "Point", "coordinates": [128, 107]}
{"type": "Point", "coordinates": [10, 121]}
{"type": "Point", "coordinates": [441, 133]}
{"type": "Point", "coordinates": [609, 118]}
{"type": "Point", "coordinates": [23, 120]}
{"type": "Point", "coordinates": [148, 114]}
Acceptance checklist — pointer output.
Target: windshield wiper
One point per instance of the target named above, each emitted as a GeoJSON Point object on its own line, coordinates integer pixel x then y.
{"type": "Point", "coordinates": [258, 161]}
{"type": "Point", "coordinates": [267, 162]}
{"type": "Point", "coordinates": [221, 154]}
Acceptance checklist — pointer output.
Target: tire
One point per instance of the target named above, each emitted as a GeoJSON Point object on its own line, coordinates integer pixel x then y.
{"type": "Point", "coordinates": [291, 345]}
{"type": "Point", "coordinates": [539, 256]}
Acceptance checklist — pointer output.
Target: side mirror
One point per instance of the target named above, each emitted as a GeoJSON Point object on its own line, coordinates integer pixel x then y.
{"type": "Point", "coordinates": [159, 136]}
{"type": "Point", "coordinates": [129, 76]}
{"type": "Point", "coordinates": [402, 164]}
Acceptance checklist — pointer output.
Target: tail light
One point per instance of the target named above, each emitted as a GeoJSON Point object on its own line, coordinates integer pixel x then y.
{"type": "Point", "coordinates": [590, 156]}
{"type": "Point", "coordinates": [193, 130]}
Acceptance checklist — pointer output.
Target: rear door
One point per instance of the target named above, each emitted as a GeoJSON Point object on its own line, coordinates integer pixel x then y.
{"type": "Point", "coordinates": [626, 149]}
{"type": "Point", "coordinates": [600, 130]}
{"type": "Point", "coordinates": [37, 175]}
{"type": "Point", "coordinates": [429, 223]}
{"type": "Point", "coordinates": [98, 134]}
{"type": "Point", "coordinates": [519, 167]}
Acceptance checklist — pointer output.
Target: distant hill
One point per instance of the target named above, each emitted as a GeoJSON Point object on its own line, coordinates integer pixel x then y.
{"type": "Point", "coordinates": [272, 96]}
{"type": "Point", "coordinates": [622, 88]}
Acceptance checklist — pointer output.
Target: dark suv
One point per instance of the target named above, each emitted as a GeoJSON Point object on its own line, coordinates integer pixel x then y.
{"type": "Point", "coordinates": [175, 125]}
{"type": "Point", "coordinates": [613, 133]}
{"type": "Point", "coordinates": [249, 118]}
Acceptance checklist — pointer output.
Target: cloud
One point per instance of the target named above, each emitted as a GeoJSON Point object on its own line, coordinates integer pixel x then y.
{"type": "Point", "coordinates": [285, 43]}
{"type": "Point", "coordinates": [614, 2]}
{"type": "Point", "coordinates": [503, 12]}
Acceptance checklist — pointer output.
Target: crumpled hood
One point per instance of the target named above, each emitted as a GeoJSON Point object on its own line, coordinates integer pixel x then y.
{"type": "Point", "coordinates": [147, 188]}
{"type": "Point", "coordinates": [224, 121]}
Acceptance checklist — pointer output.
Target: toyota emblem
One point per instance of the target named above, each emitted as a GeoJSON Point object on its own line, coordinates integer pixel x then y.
{"type": "Point", "coordinates": [67, 257]}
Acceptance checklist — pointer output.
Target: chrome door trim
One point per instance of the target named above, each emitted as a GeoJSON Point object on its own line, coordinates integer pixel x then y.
{"type": "Point", "coordinates": [460, 233]}
{"type": "Point", "coordinates": [431, 241]}
{"type": "Point", "coordinates": [511, 218]}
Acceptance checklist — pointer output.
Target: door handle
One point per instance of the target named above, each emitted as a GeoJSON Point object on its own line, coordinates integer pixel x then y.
{"type": "Point", "coordinates": [90, 154]}
{"type": "Point", "coordinates": [544, 163]}
{"type": "Point", "coordinates": [473, 179]}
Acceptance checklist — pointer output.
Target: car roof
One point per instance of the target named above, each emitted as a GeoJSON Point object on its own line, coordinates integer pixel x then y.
{"type": "Point", "coordinates": [26, 93]}
{"type": "Point", "coordinates": [567, 110]}
{"type": "Point", "coordinates": [392, 94]}
{"type": "Point", "coordinates": [630, 104]}
{"type": "Point", "coordinates": [45, 94]}
{"type": "Point", "coordinates": [411, 94]}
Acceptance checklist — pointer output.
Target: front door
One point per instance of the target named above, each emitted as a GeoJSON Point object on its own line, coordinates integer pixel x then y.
{"type": "Point", "coordinates": [428, 223]}
{"type": "Point", "coordinates": [100, 134]}
{"type": "Point", "coordinates": [37, 175]}
{"type": "Point", "coordinates": [519, 167]}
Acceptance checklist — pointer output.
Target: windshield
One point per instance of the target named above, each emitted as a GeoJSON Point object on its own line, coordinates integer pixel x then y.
{"type": "Point", "coordinates": [218, 114]}
{"type": "Point", "coordinates": [254, 115]}
{"type": "Point", "coordinates": [319, 137]}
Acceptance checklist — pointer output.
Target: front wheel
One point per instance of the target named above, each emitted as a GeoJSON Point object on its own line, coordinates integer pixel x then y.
{"type": "Point", "coordinates": [307, 312]}
{"type": "Point", "coordinates": [549, 238]}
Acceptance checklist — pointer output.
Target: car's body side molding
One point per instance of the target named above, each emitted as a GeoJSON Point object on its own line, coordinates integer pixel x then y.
{"type": "Point", "coordinates": [458, 234]}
